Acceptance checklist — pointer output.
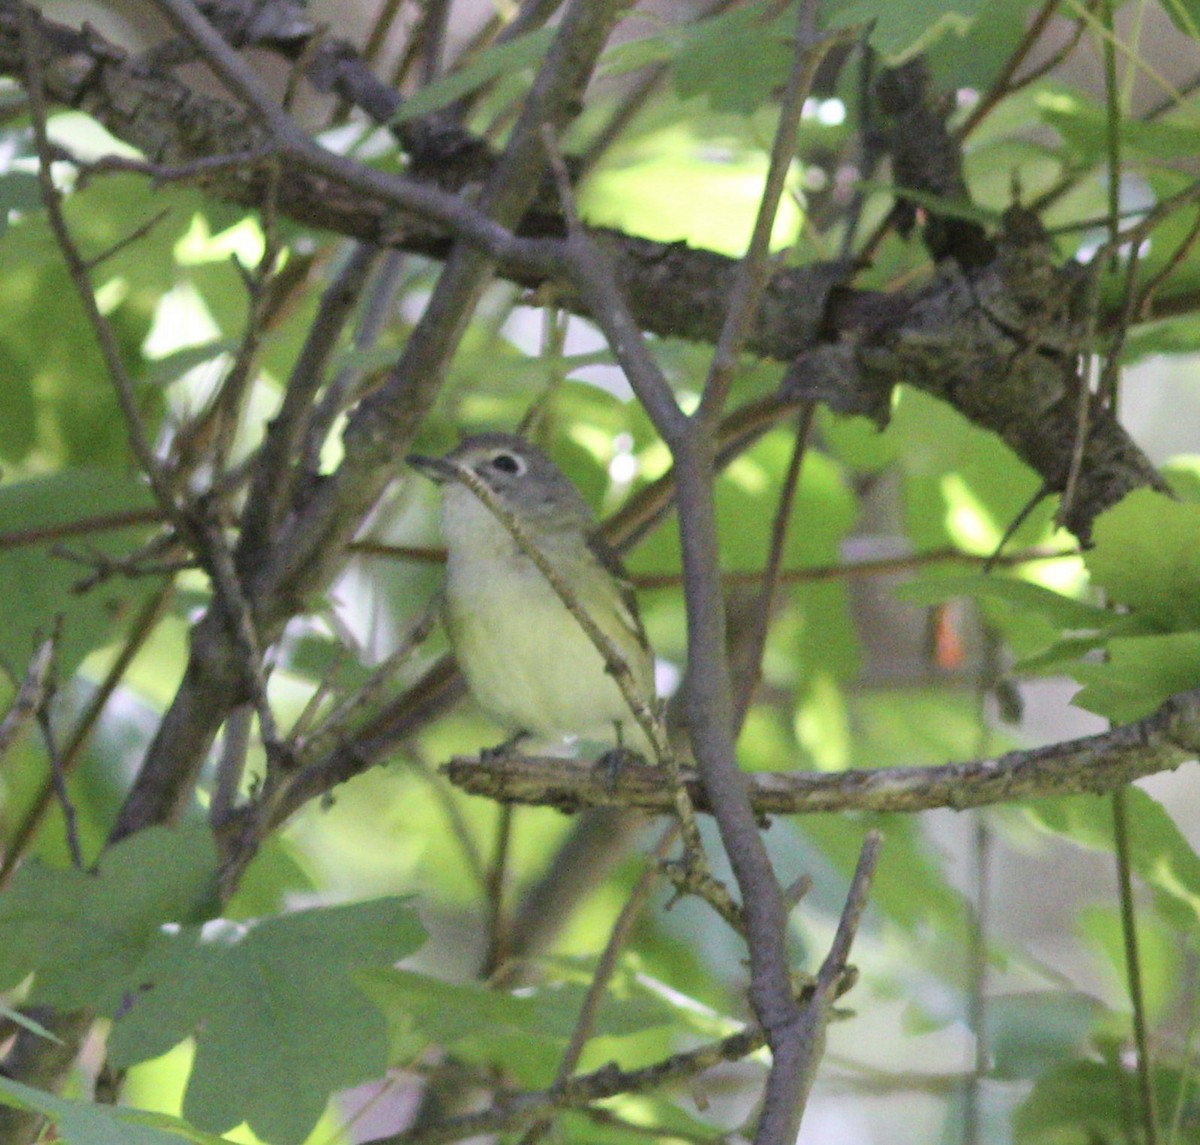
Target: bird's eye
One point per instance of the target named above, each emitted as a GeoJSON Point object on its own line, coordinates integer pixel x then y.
{"type": "Point", "coordinates": [507, 463]}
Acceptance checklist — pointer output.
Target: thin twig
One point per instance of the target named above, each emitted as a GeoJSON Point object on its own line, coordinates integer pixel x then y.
{"type": "Point", "coordinates": [494, 897]}
{"type": "Point", "coordinates": [206, 165]}
{"type": "Point", "coordinates": [632, 101]}
{"type": "Point", "coordinates": [241, 620]}
{"type": "Point", "coordinates": [770, 577]}
{"type": "Point", "coordinates": [1083, 409]}
{"type": "Point", "coordinates": [376, 310]}
{"type": "Point", "coordinates": [753, 270]}
{"type": "Point", "coordinates": [219, 425]}
{"type": "Point", "coordinates": [606, 966]}
{"type": "Point", "coordinates": [139, 232]}
{"type": "Point", "coordinates": [275, 474]}
{"type": "Point", "coordinates": [836, 960]}
{"type": "Point", "coordinates": [513, 1112]}
{"type": "Point", "coordinates": [597, 282]}
{"type": "Point", "coordinates": [308, 745]}
{"type": "Point", "coordinates": [77, 268]}
{"type": "Point", "coordinates": [977, 966]}
{"type": "Point", "coordinates": [850, 570]}
{"type": "Point", "coordinates": [1143, 304]}
{"type": "Point", "coordinates": [997, 558]}
{"type": "Point", "coordinates": [1003, 85]}
{"type": "Point", "coordinates": [711, 699]}
{"type": "Point", "coordinates": [289, 141]}
{"type": "Point", "coordinates": [30, 697]}
{"type": "Point", "coordinates": [693, 445]}
{"type": "Point", "coordinates": [1112, 125]}
{"type": "Point", "coordinates": [58, 771]}
{"type": "Point", "coordinates": [1133, 965]}
{"type": "Point", "coordinates": [99, 523]}
{"type": "Point", "coordinates": [231, 764]}
{"type": "Point", "coordinates": [139, 632]}
{"type": "Point", "coordinates": [806, 1046]}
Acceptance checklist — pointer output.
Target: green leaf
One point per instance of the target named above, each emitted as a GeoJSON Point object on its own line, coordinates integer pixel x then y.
{"type": "Point", "coordinates": [449, 1011]}
{"type": "Point", "coordinates": [85, 934]}
{"type": "Point", "coordinates": [1161, 856]}
{"type": "Point", "coordinates": [525, 52]}
{"type": "Point", "coordinates": [278, 1018]}
{"type": "Point", "coordinates": [1061, 657]}
{"type": "Point", "coordinates": [737, 59]}
{"type": "Point", "coordinates": [23, 1020]}
{"type": "Point", "coordinates": [170, 368]}
{"type": "Point", "coordinates": [86, 1123]}
{"type": "Point", "coordinates": [676, 185]}
{"type": "Point", "coordinates": [19, 191]}
{"type": "Point", "coordinates": [1161, 959]}
{"type": "Point", "coordinates": [962, 484]}
{"type": "Point", "coordinates": [1085, 1103]}
{"type": "Point", "coordinates": [974, 54]}
{"type": "Point", "coordinates": [1083, 123]}
{"type": "Point", "coordinates": [1147, 555]}
{"type": "Point", "coordinates": [524, 1031]}
{"type": "Point", "coordinates": [1140, 672]}
{"type": "Point", "coordinates": [910, 888]}
{"type": "Point", "coordinates": [899, 31]}
{"type": "Point", "coordinates": [1029, 1033]}
{"type": "Point", "coordinates": [1064, 611]}
{"type": "Point", "coordinates": [18, 408]}
{"type": "Point", "coordinates": [650, 1118]}
{"type": "Point", "coordinates": [41, 581]}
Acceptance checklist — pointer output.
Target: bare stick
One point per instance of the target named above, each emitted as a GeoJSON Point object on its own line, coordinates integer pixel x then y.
{"type": "Point", "coordinates": [495, 885]}
{"type": "Point", "coordinates": [516, 1111]}
{"type": "Point", "coordinates": [693, 444]}
{"type": "Point", "coordinates": [605, 968]}
{"type": "Point", "coordinates": [770, 577]}
{"type": "Point", "coordinates": [753, 270]}
{"type": "Point", "coordinates": [810, 1039]}
{"type": "Point", "coordinates": [30, 695]}
{"type": "Point", "coordinates": [77, 268]}
{"type": "Point", "coordinates": [58, 776]}
{"type": "Point", "coordinates": [231, 765]}
{"type": "Point", "coordinates": [275, 476]}
{"type": "Point", "coordinates": [141, 628]}
{"type": "Point", "coordinates": [1088, 765]}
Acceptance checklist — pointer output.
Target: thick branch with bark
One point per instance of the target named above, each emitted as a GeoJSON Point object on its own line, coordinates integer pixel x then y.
{"type": "Point", "coordinates": [671, 289]}
{"type": "Point", "coordinates": [1091, 765]}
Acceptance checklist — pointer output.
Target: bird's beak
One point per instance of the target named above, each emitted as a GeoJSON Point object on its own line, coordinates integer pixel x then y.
{"type": "Point", "coordinates": [435, 468]}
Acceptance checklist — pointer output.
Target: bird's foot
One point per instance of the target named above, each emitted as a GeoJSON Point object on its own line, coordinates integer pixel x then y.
{"type": "Point", "coordinates": [611, 763]}
{"type": "Point", "coordinates": [501, 751]}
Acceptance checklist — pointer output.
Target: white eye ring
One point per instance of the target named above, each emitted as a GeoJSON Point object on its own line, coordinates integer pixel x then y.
{"type": "Point", "coordinates": [508, 463]}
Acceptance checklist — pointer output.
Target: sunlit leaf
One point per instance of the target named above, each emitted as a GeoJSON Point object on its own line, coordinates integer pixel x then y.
{"type": "Point", "coordinates": [523, 52]}
{"type": "Point", "coordinates": [87, 1123]}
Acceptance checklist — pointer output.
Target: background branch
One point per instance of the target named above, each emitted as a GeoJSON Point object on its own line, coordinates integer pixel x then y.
{"type": "Point", "coordinates": [670, 288]}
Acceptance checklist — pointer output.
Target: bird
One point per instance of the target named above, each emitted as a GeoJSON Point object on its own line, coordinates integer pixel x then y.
{"type": "Point", "coordinates": [527, 660]}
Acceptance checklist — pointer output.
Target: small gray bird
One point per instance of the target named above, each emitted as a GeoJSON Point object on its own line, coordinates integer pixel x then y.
{"type": "Point", "coordinates": [527, 660]}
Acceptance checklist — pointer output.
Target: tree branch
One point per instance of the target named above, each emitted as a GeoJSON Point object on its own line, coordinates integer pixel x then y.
{"type": "Point", "coordinates": [1089, 765]}
{"type": "Point", "coordinates": [671, 289]}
